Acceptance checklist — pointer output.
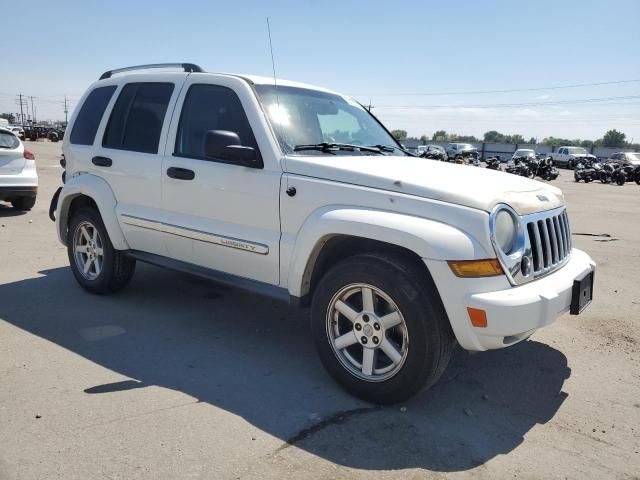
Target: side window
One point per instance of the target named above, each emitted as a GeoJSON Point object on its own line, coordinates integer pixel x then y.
{"type": "Point", "coordinates": [88, 119]}
{"type": "Point", "coordinates": [210, 107]}
{"type": "Point", "coordinates": [137, 117]}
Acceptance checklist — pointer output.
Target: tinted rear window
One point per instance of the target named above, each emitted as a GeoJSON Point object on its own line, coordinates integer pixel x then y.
{"type": "Point", "coordinates": [137, 117]}
{"type": "Point", "coordinates": [8, 141]}
{"type": "Point", "coordinates": [88, 119]}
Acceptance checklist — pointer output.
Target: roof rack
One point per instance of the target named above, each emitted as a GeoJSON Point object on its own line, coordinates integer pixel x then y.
{"type": "Point", "coordinates": [188, 67]}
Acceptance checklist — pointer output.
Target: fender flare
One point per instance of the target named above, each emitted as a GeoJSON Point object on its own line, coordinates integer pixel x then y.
{"type": "Point", "coordinates": [100, 192]}
{"type": "Point", "coordinates": [426, 238]}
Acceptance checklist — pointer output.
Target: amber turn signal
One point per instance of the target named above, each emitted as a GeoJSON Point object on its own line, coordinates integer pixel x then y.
{"type": "Point", "coordinates": [478, 317]}
{"type": "Point", "coordinates": [489, 267]}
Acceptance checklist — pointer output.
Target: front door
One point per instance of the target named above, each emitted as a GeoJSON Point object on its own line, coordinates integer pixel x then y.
{"type": "Point", "coordinates": [219, 214]}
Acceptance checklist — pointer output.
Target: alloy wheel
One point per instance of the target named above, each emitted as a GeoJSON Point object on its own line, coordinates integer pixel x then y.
{"type": "Point", "coordinates": [367, 332]}
{"type": "Point", "coordinates": [88, 250]}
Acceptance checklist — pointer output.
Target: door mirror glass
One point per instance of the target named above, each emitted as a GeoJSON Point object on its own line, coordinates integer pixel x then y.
{"type": "Point", "coordinates": [226, 145]}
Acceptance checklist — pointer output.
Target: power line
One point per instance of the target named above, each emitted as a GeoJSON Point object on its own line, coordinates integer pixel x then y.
{"type": "Point", "coordinates": [509, 90]}
{"type": "Point", "coordinates": [513, 105]}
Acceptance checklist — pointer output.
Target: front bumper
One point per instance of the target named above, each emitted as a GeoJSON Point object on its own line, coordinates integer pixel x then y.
{"type": "Point", "coordinates": [513, 313]}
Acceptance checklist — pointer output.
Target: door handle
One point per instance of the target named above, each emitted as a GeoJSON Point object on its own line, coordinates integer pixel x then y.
{"type": "Point", "coordinates": [180, 173]}
{"type": "Point", "coordinates": [102, 161]}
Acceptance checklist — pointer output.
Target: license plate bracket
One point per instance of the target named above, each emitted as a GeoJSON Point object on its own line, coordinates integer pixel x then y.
{"type": "Point", "coordinates": [582, 293]}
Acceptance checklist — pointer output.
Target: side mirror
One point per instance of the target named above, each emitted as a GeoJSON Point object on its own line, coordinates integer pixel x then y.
{"type": "Point", "coordinates": [226, 145]}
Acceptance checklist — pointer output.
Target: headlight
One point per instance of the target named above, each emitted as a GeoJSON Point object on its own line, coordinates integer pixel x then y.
{"type": "Point", "coordinates": [509, 239]}
{"type": "Point", "coordinates": [506, 230]}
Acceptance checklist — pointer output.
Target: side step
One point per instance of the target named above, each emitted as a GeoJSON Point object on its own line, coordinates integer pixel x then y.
{"type": "Point", "coordinates": [261, 288]}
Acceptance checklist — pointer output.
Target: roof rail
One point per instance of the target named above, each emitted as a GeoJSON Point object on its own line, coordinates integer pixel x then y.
{"type": "Point", "coordinates": [188, 67]}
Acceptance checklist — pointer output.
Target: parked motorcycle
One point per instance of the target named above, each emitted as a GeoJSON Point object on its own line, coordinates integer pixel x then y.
{"type": "Point", "coordinates": [585, 170]}
{"type": "Point", "coordinates": [519, 166]}
{"type": "Point", "coordinates": [606, 171]}
{"type": "Point", "coordinates": [626, 173]}
{"type": "Point", "coordinates": [494, 163]}
{"type": "Point", "coordinates": [543, 168]}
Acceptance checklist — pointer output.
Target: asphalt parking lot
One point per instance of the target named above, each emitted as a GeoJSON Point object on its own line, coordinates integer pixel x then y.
{"type": "Point", "coordinates": [176, 377]}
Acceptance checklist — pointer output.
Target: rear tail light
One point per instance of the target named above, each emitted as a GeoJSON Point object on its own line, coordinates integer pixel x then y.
{"type": "Point", "coordinates": [29, 155]}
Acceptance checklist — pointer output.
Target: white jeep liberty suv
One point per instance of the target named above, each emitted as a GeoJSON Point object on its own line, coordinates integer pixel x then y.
{"type": "Point", "coordinates": [300, 193]}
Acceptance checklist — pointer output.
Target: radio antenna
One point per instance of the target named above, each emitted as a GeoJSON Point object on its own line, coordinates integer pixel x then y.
{"type": "Point", "coordinates": [273, 63]}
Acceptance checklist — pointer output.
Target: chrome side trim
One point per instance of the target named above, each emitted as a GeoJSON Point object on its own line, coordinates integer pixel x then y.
{"type": "Point", "coordinates": [194, 234]}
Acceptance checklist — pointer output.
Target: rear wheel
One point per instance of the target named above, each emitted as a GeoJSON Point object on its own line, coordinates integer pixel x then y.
{"type": "Point", "coordinates": [24, 203]}
{"type": "Point", "coordinates": [570, 164]}
{"type": "Point", "coordinates": [97, 266]}
{"type": "Point", "coordinates": [373, 335]}
{"type": "Point", "coordinates": [621, 178]}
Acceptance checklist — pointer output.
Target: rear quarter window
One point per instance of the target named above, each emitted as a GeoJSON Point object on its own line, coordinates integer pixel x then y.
{"type": "Point", "coordinates": [88, 119]}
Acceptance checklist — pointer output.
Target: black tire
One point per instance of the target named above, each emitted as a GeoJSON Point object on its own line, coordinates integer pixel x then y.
{"type": "Point", "coordinates": [637, 178]}
{"type": "Point", "coordinates": [570, 164]}
{"type": "Point", "coordinates": [621, 178]}
{"type": "Point", "coordinates": [427, 326]}
{"type": "Point", "coordinates": [604, 178]}
{"type": "Point", "coordinates": [116, 268]}
{"type": "Point", "coordinates": [24, 203]}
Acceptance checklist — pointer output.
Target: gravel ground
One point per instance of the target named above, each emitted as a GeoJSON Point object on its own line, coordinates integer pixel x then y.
{"type": "Point", "coordinates": [176, 377]}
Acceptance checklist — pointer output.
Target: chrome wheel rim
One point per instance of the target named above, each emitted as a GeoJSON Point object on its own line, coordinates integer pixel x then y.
{"type": "Point", "coordinates": [88, 250]}
{"type": "Point", "coordinates": [367, 332]}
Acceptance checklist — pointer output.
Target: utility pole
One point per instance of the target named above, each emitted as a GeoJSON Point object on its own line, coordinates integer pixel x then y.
{"type": "Point", "coordinates": [33, 112]}
{"type": "Point", "coordinates": [66, 110]}
{"type": "Point", "coordinates": [21, 102]}
{"type": "Point", "coordinates": [370, 106]}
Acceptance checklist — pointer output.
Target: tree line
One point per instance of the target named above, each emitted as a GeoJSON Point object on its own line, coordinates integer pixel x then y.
{"type": "Point", "coordinates": [612, 138]}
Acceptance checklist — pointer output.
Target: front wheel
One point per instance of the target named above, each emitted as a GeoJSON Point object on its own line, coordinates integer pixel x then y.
{"type": "Point", "coordinates": [97, 266]}
{"type": "Point", "coordinates": [621, 179]}
{"type": "Point", "coordinates": [380, 328]}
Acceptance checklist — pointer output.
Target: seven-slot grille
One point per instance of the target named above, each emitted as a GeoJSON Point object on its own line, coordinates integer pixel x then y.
{"type": "Point", "coordinates": [550, 238]}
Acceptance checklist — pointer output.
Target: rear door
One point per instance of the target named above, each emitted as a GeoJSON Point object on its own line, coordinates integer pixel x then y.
{"type": "Point", "coordinates": [129, 154]}
{"type": "Point", "coordinates": [12, 159]}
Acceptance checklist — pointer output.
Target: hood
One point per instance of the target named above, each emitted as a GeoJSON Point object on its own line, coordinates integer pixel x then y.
{"type": "Point", "coordinates": [468, 186]}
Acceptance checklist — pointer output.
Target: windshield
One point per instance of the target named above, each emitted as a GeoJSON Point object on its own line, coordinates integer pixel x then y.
{"type": "Point", "coordinates": [303, 116]}
{"type": "Point", "coordinates": [577, 150]}
{"type": "Point", "coordinates": [524, 153]}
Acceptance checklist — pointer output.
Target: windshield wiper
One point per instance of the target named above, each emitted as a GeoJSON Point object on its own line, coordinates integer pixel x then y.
{"type": "Point", "coordinates": [391, 148]}
{"type": "Point", "coordinates": [331, 147]}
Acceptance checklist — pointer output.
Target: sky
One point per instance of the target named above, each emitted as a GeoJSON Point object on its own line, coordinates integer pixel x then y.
{"type": "Point", "coordinates": [423, 65]}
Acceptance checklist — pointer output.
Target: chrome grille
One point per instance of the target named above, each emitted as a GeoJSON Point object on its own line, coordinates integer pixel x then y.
{"type": "Point", "coordinates": [550, 239]}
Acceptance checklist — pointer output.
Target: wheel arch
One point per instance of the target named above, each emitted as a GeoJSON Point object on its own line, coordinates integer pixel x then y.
{"type": "Point", "coordinates": [330, 235]}
{"type": "Point", "coordinates": [89, 190]}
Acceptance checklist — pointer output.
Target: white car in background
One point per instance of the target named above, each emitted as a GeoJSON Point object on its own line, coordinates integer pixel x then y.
{"type": "Point", "coordinates": [17, 131]}
{"type": "Point", "coordinates": [18, 176]}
